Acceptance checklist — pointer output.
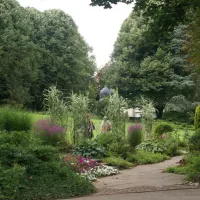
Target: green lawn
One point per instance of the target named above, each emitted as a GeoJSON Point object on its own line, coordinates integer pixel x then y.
{"type": "Point", "coordinates": [180, 130]}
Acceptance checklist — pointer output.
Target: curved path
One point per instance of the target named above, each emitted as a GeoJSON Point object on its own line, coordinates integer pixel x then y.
{"type": "Point", "coordinates": [145, 182]}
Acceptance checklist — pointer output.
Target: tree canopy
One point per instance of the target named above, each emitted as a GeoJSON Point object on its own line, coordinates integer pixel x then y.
{"type": "Point", "coordinates": [40, 49]}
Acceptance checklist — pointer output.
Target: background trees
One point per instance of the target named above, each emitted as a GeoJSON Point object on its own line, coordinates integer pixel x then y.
{"type": "Point", "coordinates": [40, 49]}
{"type": "Point", "coordinates": [153, 58]}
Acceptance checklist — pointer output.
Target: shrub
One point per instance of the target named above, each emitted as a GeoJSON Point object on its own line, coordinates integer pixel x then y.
{"type": "Point", "coordinates": [53, 181]}
{"type": "Point", "coordinates": [34, 171]}
{"type": "Point", "coordinates": [134, 135]}
{"type": "Point", "coordinates": [197, 118]}
{"type": "Point", "coordinates": [168, 146]}
{"type": "Point", "coordinates": [152, 146]}
{"type": "Point", "coordinates": [49, 132]}
{"type": "Point", "coordinates": [115, 145]}
{"type": "Point", "coordinates": [14, 120]}
{"type": "Point", "coordinates": [10, 181]}
{"type": "Point", "coordinates": [105, 140]}
{"type": "Point", "coordinates": [143, 157]}
{"type": "Point", "coordinates": [163, 127]}
{"type": "Point", "coordinates": [118, 162]}
{"type": "Point", "coordinates": [90, 149]}
{"type": "Point", "coordinates": [119, 149]}
{"type": "Point", "coordinates": [175, 117]}
{"type": "Point", "coordinates": [194, 141]}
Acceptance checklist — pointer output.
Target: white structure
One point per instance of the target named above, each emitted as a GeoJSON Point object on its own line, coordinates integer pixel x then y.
{"type": "Point", "coordinates": [137, 113]}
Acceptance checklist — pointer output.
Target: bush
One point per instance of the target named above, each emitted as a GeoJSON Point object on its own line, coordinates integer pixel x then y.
{"type": "Point", "coordinates": [53, 181]}
{"type": "Point", "coordinates": [197, 118]}
{"type": "Point", "coordinates": [162, 128]}
{"type": "Point", "coordinates": [14, 120]}
{"type": "Point", "coordinates": [10, 181]}
{"type": "Point", "coordinates": [118, 162]}
{"type": "Point", "coordinates": [134, 135]}
{"type": "Point", "coordinates": [168, 146]}
{"type": "Point", "coordinates": [90, 149]}
{"type": "Point", "coordinates": [119, 149]}
{"type": "Point", "coordinates": [32, 171]}
{"type": "Point", "coordinates": [115, 145]}
{"type": "Point", "coordinates": [152, 146]}
{"type": "Point", "coordinates": [143, 157]}
{"type": "Point", "coordinates": [194, 141]}
{"type": "Point", "coordinates": [49, 132]}
{"type": "Point", "coordinates": [105, 140]}
{"type": "Point", "coordinates": [184, 117]}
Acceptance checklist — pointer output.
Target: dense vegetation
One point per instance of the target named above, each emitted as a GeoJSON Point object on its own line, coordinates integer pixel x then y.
{"type": "Point", "coordinates": [156, 56]}
{"type": "Point", "coordinates": [40, 49]}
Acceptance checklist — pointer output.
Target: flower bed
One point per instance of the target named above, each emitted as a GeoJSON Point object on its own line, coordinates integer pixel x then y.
{"type": "Point", "coordinates": [88, 168]}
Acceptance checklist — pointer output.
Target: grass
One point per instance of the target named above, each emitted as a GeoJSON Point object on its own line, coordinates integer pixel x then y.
{"type": "Point", "coordinates": [118, 162]}
{"type": "Point", "coordinates": [190, 167]}
{"type": "Point", "coordinates": [38, 116]}
{"type": "Point", "coordinates": [143, 157]}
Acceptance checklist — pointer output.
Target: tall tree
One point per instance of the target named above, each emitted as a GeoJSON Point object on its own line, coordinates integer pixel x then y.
{"type": "Point", "coordinates": [40, 49]}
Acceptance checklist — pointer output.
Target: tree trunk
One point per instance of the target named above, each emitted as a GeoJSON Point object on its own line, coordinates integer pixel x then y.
{"type": "Point", "coordinates": [159, 111]}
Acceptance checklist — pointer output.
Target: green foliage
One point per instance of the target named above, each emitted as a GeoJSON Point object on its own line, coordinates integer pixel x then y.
{"type": "Point", "coordinates": [40, 49]}
{"type": "Point", "coordinates": [108, 3]}
{"type": "Point", "coordinates": [101, 106]}
{"type": "Point", "coordinates": [144, 157]}
{"type": "Point", "coordinates": [79, 108]}
{"type": "Point", "coordinates": [55, 105]}
{"type": "Point", "coordinates": [134, 135]}
{"type": "Point", "coordinates": [119, 148]}
{"type": "Point", "coordinates": [29, 171]}
{"type": "Point", "coordinates": [49, 132]}
{"type": "Point", "coordinates": [90, 149]}
{"type": "Point", "coordinates": [114, 145]}
{"type": "Point", "coordinates": [168, 146]}
{"type": "Point", "coordinates": [152, 146]}
{"type": "Point", "coordinates": [194, 141]}
{"type": "Point", "coordinates": [163, 128]}
{"type": "Point", "coordinates": [105, 140]}
{"type": "Point", "coordinates": [14, 120]}
{"type": "Point", "coordinates": [177, 117]}
{"type": "Point", "coordinates": [115, 112]}
{"type": "Point", "coordinates": [197, 118]}
{"type": "Point", "coordinates": [147, 117]}
{"type": "Point", "coordinates": [118, 162]}
{"type": "Point", "coordinates": [10, 181]}
{"type": "Point", "coordinates": [190, 168]}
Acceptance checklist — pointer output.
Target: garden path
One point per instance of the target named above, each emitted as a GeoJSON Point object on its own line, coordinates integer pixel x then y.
{"type": "Point", "coordinates": [145, 182]}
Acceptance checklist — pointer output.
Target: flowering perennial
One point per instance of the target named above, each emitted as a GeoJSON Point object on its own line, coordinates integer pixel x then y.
{"type": "Point", "coordinates": [133, 128]}
{"type": "Point", "coordinates": [49, 131]}
{"type": "Point", "coordinates": [88, 168]}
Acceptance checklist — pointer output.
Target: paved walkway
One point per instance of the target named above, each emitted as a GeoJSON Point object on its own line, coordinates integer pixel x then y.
{"type": "Point", "coordinates": [145, 182]}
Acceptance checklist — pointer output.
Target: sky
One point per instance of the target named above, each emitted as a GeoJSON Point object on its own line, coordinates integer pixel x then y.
{"type": "Point", "coordinates": [98, 26]}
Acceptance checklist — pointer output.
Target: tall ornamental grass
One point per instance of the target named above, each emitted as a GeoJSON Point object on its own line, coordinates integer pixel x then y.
{"type": "Point", "coordinates": [12, 119]}
{"type": "Point", "coordinates": [135, 135]}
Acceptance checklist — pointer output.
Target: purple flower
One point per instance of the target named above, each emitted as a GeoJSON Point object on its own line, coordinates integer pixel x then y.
{"type": "Point", "coordinates": [135, 127]}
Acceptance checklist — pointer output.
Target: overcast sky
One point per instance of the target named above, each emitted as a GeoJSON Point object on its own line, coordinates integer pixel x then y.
{"type": "Point", "coordinates": [98, 26]}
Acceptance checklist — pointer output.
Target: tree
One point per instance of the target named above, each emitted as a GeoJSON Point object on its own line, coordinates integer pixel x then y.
{"type": "Point", "coordinates": [38, 50]}
{"type": "Point", "coordinates": [152, 67]}
{"type": "Point", "coordinates": [165, 14]}
{"type": "Point", "coordinates": [108, 3]}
